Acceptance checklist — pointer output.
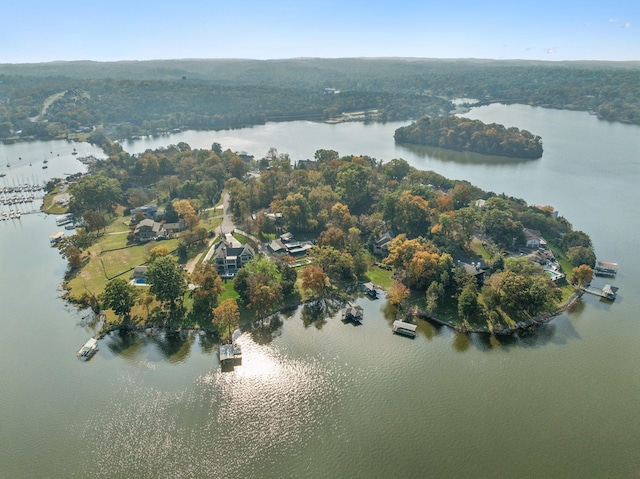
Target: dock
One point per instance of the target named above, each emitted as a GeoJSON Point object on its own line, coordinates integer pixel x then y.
{"type": "Point", "coordinates": [608, 292]}
{"type": "Point", "coordinates": [56, 237]}
{"type": "Point", "coordinates": [404, 329]}
{"type": "Point", "coordinates": [226, 352]}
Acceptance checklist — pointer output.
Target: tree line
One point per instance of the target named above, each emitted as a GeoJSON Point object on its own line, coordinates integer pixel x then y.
{"type": "Point", "coordinates": [149, 97]}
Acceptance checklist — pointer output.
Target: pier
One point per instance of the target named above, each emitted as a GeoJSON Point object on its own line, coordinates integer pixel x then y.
{"type": "Point", "coordinates": [608, 292]}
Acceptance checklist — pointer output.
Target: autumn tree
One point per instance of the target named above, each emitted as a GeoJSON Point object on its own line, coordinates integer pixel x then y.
{"type": "Point", "coordinates": [208, 288]}
{"type": "Point", "coordinates": [157, 252]}
{"type": "Point", "coordinates": [187, 212]}
{"type": "Point", "coordinates": [227, 317]}
{"type": "Point", "coordinates": [74, 257]}
{"type": "Point", "coordinates": [314, 279]}
{"type": "Point", "coordinates": [398, 293]}
{"type": "Point", "coordinates": [582, 275]}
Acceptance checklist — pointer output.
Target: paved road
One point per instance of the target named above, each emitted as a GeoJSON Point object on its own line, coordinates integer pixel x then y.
{"type": "Point", "coordinates": [225, 227]}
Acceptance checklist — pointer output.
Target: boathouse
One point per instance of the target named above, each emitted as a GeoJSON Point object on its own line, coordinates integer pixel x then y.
{"type": "Point", "coordinates": [352, 312]}
{"type": "Point", "coordinates": [370, 290]}
{"type": "Point", "coordinates": [56, 237]}
{"type": "Point", "coordinates": [605, 269]}
{"type": "Point", "coordinates": [404, 329]}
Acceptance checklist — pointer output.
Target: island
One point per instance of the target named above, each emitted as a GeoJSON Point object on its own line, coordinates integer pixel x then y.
{"type": "Point", "coordinates": [462, 134]}
{"type": "Point", "coordinates": [216, 239]}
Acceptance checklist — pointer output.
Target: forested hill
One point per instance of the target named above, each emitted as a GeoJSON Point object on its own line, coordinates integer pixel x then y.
{"type": "Point", "coordinates": [224, 93]}
{"type": "Point", "coordinates": [457, 133]}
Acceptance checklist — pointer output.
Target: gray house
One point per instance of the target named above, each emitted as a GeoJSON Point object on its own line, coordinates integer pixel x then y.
{"type": "Point", "coordinates": [229, 256]}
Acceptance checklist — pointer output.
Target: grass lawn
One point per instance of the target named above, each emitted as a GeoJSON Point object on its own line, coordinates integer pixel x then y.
{"type": "Point", "coordinates": [479, 249]}
{"type": "Point", "coordinates": [379, 276]}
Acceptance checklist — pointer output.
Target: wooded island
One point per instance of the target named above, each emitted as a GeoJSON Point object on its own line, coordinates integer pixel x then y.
{"type": "Point", "coordinates": [463, 134]}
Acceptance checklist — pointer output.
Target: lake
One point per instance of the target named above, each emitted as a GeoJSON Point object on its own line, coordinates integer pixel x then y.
{"type": "Point", "coordinates": [323, 399]}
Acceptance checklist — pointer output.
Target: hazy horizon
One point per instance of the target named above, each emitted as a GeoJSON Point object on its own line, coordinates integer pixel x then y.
{"type": "Point", "coordinates": [70, 30]}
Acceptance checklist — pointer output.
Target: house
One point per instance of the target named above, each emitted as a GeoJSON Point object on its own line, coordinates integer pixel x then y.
{"type": "Point", "coordinates": [532, 238]}
{"type": "Point", "coordinates": [149, 211]}
{"type": "Point", "coordinates": [147, 230]}
{"type": "Point", "coordinates": [474, 270]}
{"type": "Point", "coordinates": [480, 203]}
{"type": "Point", "coordinates": [381, 246]}
{"type": "Point", "coordinates": [229, 256]}
{"type": "Point", "coordinates": [286, 244]}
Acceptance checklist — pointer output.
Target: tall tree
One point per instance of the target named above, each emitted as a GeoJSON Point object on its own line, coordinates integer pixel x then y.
{"type": "Point", "coordinates": [120, 296]}
{"type": "Point", "coordinates": [227, 317]}
{"type": "Point", "coordinates": [167, 282]}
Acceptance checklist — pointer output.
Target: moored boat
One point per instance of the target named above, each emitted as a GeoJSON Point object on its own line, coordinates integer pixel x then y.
{"type": "Point", "coordinates": [88, 350]}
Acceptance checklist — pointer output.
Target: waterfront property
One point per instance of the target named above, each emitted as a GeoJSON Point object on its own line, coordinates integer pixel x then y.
{"type": "Point", "coordinates": [229, 256]}
{"type": "Point", "coordinates": [381, 246]}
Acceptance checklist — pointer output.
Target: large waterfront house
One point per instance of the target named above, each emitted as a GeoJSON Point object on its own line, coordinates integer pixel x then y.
{"type": "Point", "coordinates": [229, 256]}
{"type": "Point", "coordinates": [149, 229]}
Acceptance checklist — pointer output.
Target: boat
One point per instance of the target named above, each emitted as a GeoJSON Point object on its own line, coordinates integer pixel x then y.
{"type": "Point", "coordinates": [88, 350]}
{"type": "Point", "coordinates": [44, 167]}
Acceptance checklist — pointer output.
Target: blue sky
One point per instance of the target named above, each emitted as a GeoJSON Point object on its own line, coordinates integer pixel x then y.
{"type": "Point", "coordinates": [36, 30]}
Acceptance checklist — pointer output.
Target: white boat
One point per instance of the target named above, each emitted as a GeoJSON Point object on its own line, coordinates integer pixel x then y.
{"type": "Point", "coordinates": [89, 349]}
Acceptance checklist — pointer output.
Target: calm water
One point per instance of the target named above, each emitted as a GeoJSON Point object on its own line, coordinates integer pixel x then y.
{"type": "Point", "coordinates": [329, 399]}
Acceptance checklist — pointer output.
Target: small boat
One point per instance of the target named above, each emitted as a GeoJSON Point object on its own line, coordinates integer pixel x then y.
{"type": "Point", "coordinates": [88, 350]}
{"type": "Point", "coordinates": [44, 167]}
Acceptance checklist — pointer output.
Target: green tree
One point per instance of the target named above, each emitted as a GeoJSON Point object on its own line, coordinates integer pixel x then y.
{"type": "Point", "coordinates": [95, 192]}
{"type": "Point", "coordinates": [120, 296]}
{"type": "Point", "coordinates": [166, 279]}
{"type": "Point", "coordinates": [468, 301]}
{"type": "Point", "coordinates": [578, 255]}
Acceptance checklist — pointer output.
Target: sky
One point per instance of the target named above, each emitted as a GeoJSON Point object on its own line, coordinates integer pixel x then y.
{"type": "Point", "coordinates": [41, 31]}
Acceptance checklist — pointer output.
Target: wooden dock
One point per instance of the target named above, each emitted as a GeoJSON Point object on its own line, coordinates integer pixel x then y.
{"type": "Point", "coordinates": [608, 292]}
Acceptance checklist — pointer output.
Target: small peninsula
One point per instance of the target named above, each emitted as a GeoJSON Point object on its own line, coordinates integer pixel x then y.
{"type": "Point", "coordinates": [464, 134]}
